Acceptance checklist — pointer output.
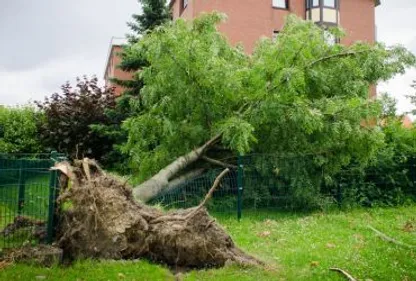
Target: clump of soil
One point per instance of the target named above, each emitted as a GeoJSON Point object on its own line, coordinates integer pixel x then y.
{"type": "Point", "coordinates": [104, 221]}
{"type": "Point", "coordinates": [43, 255]}
{"type": "Point", "coordinates": [36, 228]}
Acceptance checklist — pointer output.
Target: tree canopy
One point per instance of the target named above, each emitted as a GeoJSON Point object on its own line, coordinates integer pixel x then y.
{"type": "Point", "coordinates": [296, 94]}
{"type": "Point", "coordinates": [155, 12]}
{"type": "Point", "coordinates": [70, 115]}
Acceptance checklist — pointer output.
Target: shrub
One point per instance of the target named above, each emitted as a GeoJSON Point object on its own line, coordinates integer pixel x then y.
{"type": "Point", "coordinates": [70, 115]}
{"type": "Point", "coordinates": [390, 178]}
{"type": "Point", "coordinates": [18, 130]}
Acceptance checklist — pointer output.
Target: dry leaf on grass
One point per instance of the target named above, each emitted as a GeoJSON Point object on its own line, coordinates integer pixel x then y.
{"type": "Point", "coordinates": [264, 234]}
{"type": "Point", "coordinates": [409, 226]}
{"type": "Point", "coordinates": [330, 246]}
{"type": "Point", "coordinates": [314, 263]}
{"type": "Point", "coordinates": [4, 264]}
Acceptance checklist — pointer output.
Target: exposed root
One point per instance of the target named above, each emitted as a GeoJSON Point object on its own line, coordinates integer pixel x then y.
{"type": "Point", "coordinates": [4, 264]}
{"type": "Point", "coordinates": [106, 222]}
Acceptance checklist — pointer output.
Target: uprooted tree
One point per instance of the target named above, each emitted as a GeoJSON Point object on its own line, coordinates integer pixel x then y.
{"type": "Point", "coordinates": [204, 100]}
{"type": "Point", "coordinates": [105, 221]}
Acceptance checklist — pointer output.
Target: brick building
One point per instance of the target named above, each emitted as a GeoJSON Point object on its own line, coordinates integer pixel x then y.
{"type": "Point", "coordinates": [113, 60]}
{"type": "Point", "coordinates": [248, 20]}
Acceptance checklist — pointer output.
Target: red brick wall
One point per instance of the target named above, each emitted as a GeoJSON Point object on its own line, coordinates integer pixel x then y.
{"type": "Point", "coordinates": [187, 13]}
{"type": "Point", "coordinates": [113, 71]}
{"type": "Point", "coordinates": [248, 20]}
{"type": "Point", "coordinates": [357, 17]}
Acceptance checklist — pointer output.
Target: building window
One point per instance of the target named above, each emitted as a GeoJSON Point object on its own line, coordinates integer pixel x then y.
{"type": "Point", "coordinates": [330, 38]}
{"type": "Point", "coordinates": [330, 3]}
{"type": "Point", "coordinates": [325, 3]}
{"type": "Point", "coordinates": [281, 4]}
{"type": "Point", "coordinates": [275, 34]}
{"type": "Point", "coordinates": [183, 5]}
{"type": "Point", "coordinates": [323, 11]}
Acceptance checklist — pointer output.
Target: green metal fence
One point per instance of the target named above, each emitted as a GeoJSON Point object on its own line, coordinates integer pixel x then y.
{"type": "Point", "coordinates": [268, 183]}
{"type": "Point", "coordinates": [28, 191]}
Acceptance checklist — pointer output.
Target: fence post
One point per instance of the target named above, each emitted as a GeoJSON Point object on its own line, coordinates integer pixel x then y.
{"type": "Point", "coordinates": [22, 187]}
{"type": "Point", "coordinates": [339, 194]}
{"type": "Point", "coordinates": [239, 187]}
{"type": "Point", "coordinates": [53, 194]}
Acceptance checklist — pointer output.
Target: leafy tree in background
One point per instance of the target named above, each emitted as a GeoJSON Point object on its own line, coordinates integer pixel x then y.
{"type": "Point", "coordinates": [18, 130]}
{"type": "Point", "coordinates": [155, 13]}
{"type": "Point", "coordinates": [389, 103]}
{"type": "Point", "coordinates": [69, 116]}
{"type": "Point", "coordinates": [389, 178]}
{"type": "Point", "coordinates": [297, 94]}
{"type": "Point", "coordinates": [413, 99]}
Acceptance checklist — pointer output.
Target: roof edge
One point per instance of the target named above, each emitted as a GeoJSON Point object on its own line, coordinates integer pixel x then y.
{"type": "Point", "coordinates": [113, 43]}
{"type": "Point", "coordinates": [378, 2]}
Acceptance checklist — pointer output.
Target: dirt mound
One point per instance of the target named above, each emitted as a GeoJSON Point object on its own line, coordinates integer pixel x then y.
{"type": "Point", "coordinates": [104, 221]}
{"type": "Point", "coordinates": [43, 255]}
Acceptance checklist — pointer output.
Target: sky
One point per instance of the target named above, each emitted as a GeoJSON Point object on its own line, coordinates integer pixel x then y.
{"type": "Point", "coordinates": [45, 43]}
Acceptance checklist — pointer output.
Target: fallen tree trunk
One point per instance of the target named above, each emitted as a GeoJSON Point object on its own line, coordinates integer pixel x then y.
{"type": "Point", "coordinates": [105, 221]}
{"type": "Point", "coordinates": [153, 186]}
{"type": "Point", "coordinates": [189, 176]}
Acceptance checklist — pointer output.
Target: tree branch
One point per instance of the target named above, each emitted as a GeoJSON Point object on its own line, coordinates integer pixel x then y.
{"type": "Point", "coordinates": [211, 191]}
{"type": "Point", "coordinates": [345, 54]}
{"type": "Point", "coordinates": [199, 207]}
{"type": "Point", "coordinates": [389, 239]}
{"type": "Point", "coordinates": [219, 163]}
{"type": "Point", "coordinates": [343, 272]}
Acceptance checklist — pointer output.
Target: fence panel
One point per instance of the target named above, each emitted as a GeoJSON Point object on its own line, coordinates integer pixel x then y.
{"type": "Point", "coordinates": [28, 190]}
{"type": "Point", "coordinates": [265, 183]}
{"type": "Point", "coordinates": [191, 193]}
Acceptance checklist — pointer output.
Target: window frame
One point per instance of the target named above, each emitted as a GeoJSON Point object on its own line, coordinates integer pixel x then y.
{"type": "Point", "coordinates": [183, 5]}
{"type": "Point", "coordinates": [325, 28]}
{"type": "Point", "coordinates": [321, 4]}
{"type": "Point", "coordinates": [275, 35]}
{"type": "Point", "coordinates": [281, 8]}
{"type": "Point", "coordinates": [330, 7]}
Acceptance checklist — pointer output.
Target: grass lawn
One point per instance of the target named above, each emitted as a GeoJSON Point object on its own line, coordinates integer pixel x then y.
{"type": "Point", "coordinates": [36, 201]}
{"type": "Point", "coordinates": [295, 246]}
{"type": "Point", "coordinates": [36, 195]}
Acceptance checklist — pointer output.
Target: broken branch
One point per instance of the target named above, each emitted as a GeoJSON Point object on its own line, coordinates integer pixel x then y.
{"type": "Point", "coordinates": [214, 186]}
{"type": "Point", "coordinates": [389, 239]}
{"type": "Point", "coordinates": [343, 272]}
{"type": "Point", "coordinates": [209, 194]}
{"type": "Point", "coordinates": [219, 163]}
